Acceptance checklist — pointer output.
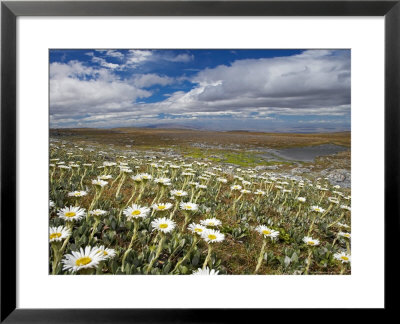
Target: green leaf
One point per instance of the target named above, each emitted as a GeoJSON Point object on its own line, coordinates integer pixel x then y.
{"type": "Point", "coordinates": [196, 259]}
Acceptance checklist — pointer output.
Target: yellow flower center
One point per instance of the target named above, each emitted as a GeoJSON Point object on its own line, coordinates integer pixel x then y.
{"type": "Point", "coordinates": [83, 261]}
{"type": "Point", "coordinates": [70, 214]}
{"type": "Point", "coordinates": [163, 225]}
{"type": "Point", "coordinates": [161, 207]}
{"type": "Point", "coordinates": [346, 235]}
{"type": "Point", "coordinates": [345, 258]}
{"type": "Point", "coordinates": [310, 243]}
{"type": "Point", "coordinates": [266, 232]}
{"type": "Point", "coordinates": [135, 212]}
{"type": "Point", "coordinates": [211, 223]}
{"type": "Point", "coordinates": [54, 235]}
{"type": "Point", "coordinates": [188, 207]}
{"type": "Point", "coordinates": [212, 236]}
{"type": "Point", "coordinates": [198, 230]}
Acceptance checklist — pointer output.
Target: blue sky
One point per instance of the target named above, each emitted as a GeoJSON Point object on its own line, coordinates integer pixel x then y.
{"type": "Point", "coordinates": [260, 90]}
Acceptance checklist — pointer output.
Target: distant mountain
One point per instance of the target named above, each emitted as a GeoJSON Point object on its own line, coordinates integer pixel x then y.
{"type": "Point", "coordinates": [173, 126]}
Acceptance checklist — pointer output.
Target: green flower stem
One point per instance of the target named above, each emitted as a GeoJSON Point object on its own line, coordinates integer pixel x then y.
{"type": "Point", "coordinates": [135, 230]}
{"type": "Point", "coordinates": [186, 220]}
{"type": "Point", "coordinates": [298, 213]}
{"type": "Point", "coordinates": [322, 197]}
{"type": "Point", "coordinates": [276, 197]}
{"type": "Point", "coordinates": [348, 246]}
{"type": "Point", "coordinates": [117, 178]}
{"type": "Point", "coordinates": [56, 257]}
{"type": "Point", "coordinates": [191, 198]}
{"type": "Point", "coordinates": [312, 224]}
{"type": "Point", "coordinates": [208, 256]}
{"type": "Point", "coordinates": [159, 249]}
{"type": "Point", "coordinates": [187, 254]}
{"type": "Point", "coordinates": [94, 228]}
{"type": "Point", "coordinates": [120, 184]}
{"type": "Point", "coordinates": [94, 200]}
{"type": "Point", "coordinates": [308, 261]}
{"type": "Point", "coordinates": [336, 221]}
{"type": "Point", "coordinates": [328, 210]}
{"type": "Point", "coordinates": [161, 193]}
{"type": "Point", "coordinates": [133, 194]}
{"type": "Point", "coordinates": [175, 208]}
{"type": "Point", "coordinates": [142, 186]}
{"type": "Point", "coordinates": [83, 176]}
{"type": "Point", "coordinates": [261, 257]}
{"type": "Point", "coordinates": [52, 175]}
{"type": "Point", "coordinates": [198, 196]}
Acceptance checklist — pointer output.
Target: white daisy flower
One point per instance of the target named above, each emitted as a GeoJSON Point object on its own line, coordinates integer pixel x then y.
{"type": "Point", "coordinates": [146, 176]}
{"type": "Point", "coordinates": [187, 174]}
{"type": "Point", "coordinates": [346, 235]}
{"type": "Point", "coordinates": [212, 235]}
{"type": "Point", "coordinates": [106, 253]}
{"type": "Point", "coordinates": [97, 212]}
{"type": "Point", "coordinates": [236, 187]}
{"type": "Point", "coordinates": [162, 180]}
{"type": "Point", "coordinates": [71, 213]}
{"type": "Point", "coordinates": [162, 207]}
{"type": "Point", "coordinates": [178, 193]}
{"type": "Point", "coordinates": [164, 225]}
{"type": "Point", "coordinates": [317, 209]}
{"type": "Point", "coordinates": [137, 178]}
{"type": "Point", "coordinates": [345, 207]}
{"type": "Point", "coordinates": [196, 228]}
{"type": "Point", "coordinates": [222, 180]}
{"type": "Point", "coordinates": [343, 257]}
{"type": "Point", "coordinates": [200, 186]}
{"type": "Point", "coordinates": [105, 177]}
{"type": "Point", "coordinates": [77, 193]}
{"type": "Point", "coordinates": [245, 191]}
{"type": "Point", "coordinates": [211, 222]}
{"type": "Point", "coordinates": [310, 241]}
{"type": "Point", "coordinates": [205, 272]}
{"type": "Point", "coordinates": [267, 232]}
{"type": "Point", "coordinates": [333, 200]}
{"type": "Point", "coordinates": [344, 225]}
{"type": "Point", "coordinates": [99, 182]}
{"type": "Point", "coordinates": [59, 233]}
{"type": "Point", "coordinates": [51, 204]}
{"type": "Point", "coordinates": [88, 258]}
{"type": "Point", "coordinates": [259, 192]}
{"type": "Point", "coordinates": [189, 206]}
{"type": "Point", "coordinates": [301, 199]}
{"type": "Point", "coordinates": [136, 211]}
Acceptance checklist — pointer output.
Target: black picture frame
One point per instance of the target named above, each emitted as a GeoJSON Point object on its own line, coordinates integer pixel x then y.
{"type": "Point", "coordinates": [10, 10]}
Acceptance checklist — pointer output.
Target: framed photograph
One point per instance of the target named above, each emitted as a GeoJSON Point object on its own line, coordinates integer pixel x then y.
{"type": "Point", "coordinates": [197, 159]}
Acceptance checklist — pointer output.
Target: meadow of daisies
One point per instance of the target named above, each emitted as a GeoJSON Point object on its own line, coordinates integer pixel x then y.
{"type": "Point", "coordinates": [137, 213]}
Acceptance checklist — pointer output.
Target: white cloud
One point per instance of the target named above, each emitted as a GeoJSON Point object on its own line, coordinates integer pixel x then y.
{"type": "Point", "coordinates": [150, 79]}
{"type": "Point", "coordinates": [77, 89]}
{"type": "Point", "coordinates": [316, 82]}
{"type": "Point", "coordinates": [180, 58]}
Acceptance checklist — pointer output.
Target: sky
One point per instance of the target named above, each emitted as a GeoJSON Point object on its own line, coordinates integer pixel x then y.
{"type": "Point", "coordinates": [231, 89]}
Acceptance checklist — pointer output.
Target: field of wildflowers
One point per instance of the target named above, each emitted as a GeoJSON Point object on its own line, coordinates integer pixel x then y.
{"type": "Point", "coordinates": [138, 213]}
